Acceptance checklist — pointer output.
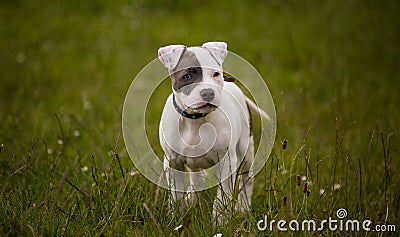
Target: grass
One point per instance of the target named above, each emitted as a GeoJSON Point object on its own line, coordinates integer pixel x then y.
{"type": "Point", "coordinates": [332, 68]}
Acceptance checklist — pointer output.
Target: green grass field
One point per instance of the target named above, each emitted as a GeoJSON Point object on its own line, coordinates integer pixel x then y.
{"type": "Point", "coordinates": [333, 69]}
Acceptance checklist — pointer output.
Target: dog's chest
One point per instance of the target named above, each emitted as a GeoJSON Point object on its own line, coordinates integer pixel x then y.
{"type": "Point", "coordinates": [204, 143]}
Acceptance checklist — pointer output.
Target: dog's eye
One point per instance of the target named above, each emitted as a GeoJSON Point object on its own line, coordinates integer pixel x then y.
{"type": "Point", "coordinates": [187, 77]}
{"type": "Point", "coordinates": [216, 74]}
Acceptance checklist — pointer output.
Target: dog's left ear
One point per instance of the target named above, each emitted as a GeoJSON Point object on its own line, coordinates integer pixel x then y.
{"type": "Point", "coordinates": [218, 50]}
{"type": "Point", "coordinates": [170, 55]}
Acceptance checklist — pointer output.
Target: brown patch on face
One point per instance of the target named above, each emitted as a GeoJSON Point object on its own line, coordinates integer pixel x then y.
{"type": "Point", "coordinates": [187, 73]}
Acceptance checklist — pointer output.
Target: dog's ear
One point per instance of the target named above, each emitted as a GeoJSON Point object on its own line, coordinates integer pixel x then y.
{"type": "Point", "coordinates": [170, 55]}
{"type": "Point", "coordinates": [218, 50]}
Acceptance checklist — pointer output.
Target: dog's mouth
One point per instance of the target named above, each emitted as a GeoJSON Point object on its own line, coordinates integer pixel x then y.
{"type": "Point", "coordinates": [202, 107]}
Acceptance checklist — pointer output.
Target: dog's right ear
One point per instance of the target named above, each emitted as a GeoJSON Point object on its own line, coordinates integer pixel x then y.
{"type": "Point", "coordinates": [170, 55]}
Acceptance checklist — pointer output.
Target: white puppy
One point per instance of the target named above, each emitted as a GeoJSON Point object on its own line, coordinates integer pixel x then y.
{"type": "Point", "coordinates": [206, 123]}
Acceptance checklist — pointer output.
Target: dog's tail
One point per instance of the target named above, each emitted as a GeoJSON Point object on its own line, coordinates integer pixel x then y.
{"type": "Point", "coordinates": [253, 107]}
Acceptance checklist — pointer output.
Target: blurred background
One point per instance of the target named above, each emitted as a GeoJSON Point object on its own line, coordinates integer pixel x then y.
{"type": "Point", "coordinates": [320, 60]}
{"type": "Point", "coordinates": [332, 68]}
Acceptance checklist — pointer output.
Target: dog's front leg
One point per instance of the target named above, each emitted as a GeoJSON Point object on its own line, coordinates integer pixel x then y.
{"type": "Point", "coordinates": [246, 177]}
{"type": "Point", "coordinates": [197, 178]}
{"type": "Point", "coordinates": [173, 168]}
{"type": "Point", "coordinates": [226, 174]}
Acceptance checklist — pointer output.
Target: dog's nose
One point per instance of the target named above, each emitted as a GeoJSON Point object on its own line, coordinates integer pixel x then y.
{"type": "Point", "coordinates": [207, 94]}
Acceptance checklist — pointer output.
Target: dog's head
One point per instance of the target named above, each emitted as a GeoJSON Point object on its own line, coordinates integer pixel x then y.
{"type": "Point", "coordinates": [196, 73]}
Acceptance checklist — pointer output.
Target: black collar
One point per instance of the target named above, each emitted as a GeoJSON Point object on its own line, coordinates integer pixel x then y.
{"type": "Point", "coordinates": [184, 113]}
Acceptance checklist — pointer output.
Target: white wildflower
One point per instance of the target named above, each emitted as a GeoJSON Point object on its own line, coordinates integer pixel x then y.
{"type": "Point", "coordinates": [77, 133]}
{"type": "Point", "coordinates": [336, 187]}
{"type": "Point", "coordinates": [133, 172]}
{"type": "Point", "coordinates": [178, 227]}
{"type": "Point", "coordinates": [84, 168]}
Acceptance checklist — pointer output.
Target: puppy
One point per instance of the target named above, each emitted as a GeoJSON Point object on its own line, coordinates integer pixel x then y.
{"type": "Point", "coordinates": [206, 127]}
